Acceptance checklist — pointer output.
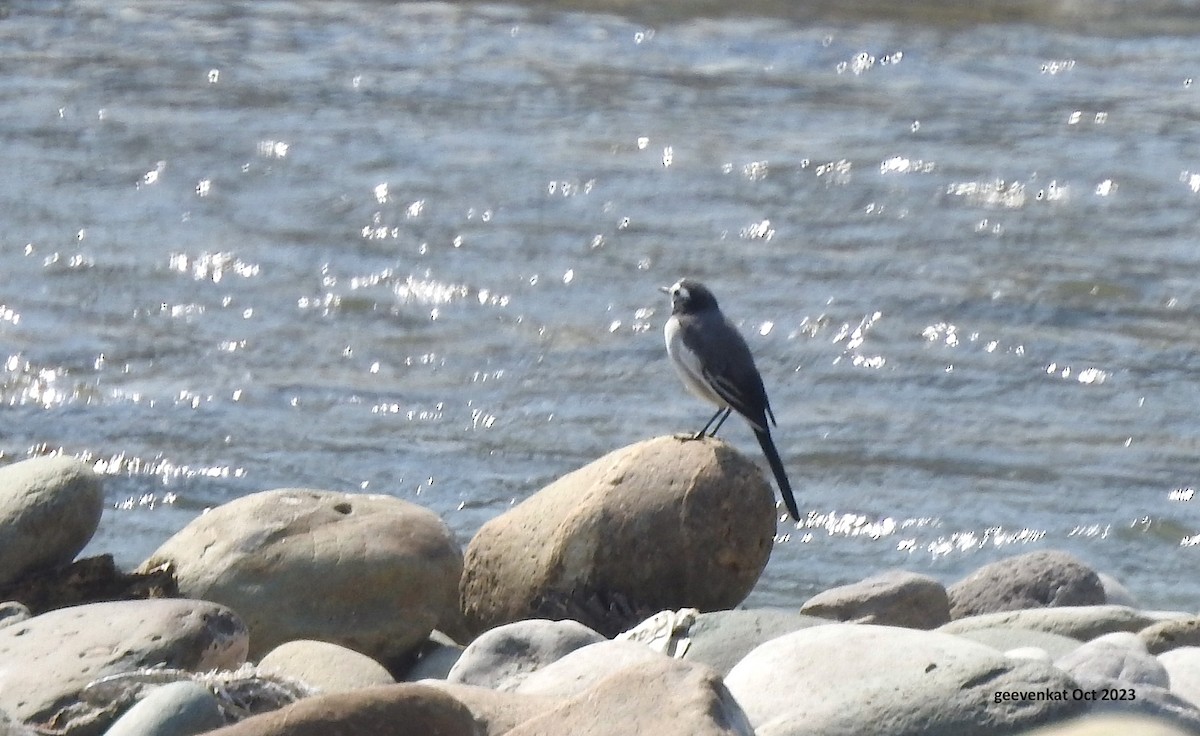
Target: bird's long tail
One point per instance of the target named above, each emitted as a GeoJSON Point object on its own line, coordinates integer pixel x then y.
{"type": "Point", "coordinates": [785, 488]}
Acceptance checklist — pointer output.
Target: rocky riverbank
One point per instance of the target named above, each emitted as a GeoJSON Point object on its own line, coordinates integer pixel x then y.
{"type": "Point", "coordinates": [605, 603]}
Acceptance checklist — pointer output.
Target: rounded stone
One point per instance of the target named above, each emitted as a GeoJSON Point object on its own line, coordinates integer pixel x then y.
{"type": "Point", "coordinates": [179, 709]}
{"type": "Point", "coordinates": [49, 510]}
{"type": "Point", "coordinates": [373, 573]}
{"type": "Point", "coordinates": [833, 679]}
{"type": "Point", "coordinates": [49, 659]}
{"type": "Point", "coordinates": [1167, 635]}
{"type": "Point", "coordinates": [501, 658]}
{"type": "Point", "coordinates": [1040, 579]}
{"type": "Point", "coordinates": [663, 524]}
{"type": "Point", "coordinates": [328, 668]}
{"type": "Point", "coordinates": [892, 598]}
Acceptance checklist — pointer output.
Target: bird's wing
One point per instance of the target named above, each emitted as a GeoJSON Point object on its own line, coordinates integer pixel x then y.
{"type": "Point", "coordinates": [728, 367]}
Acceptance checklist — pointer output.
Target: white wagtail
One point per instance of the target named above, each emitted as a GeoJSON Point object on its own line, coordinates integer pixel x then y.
{"type": "Point", "coordinates": [712, 359]}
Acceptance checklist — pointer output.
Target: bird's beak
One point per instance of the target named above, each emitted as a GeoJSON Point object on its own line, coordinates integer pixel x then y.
{"type": "Point", "coordinates": [665, 289]}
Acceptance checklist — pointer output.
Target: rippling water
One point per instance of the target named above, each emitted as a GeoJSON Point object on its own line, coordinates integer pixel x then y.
{"type": "Point", "coordinates": [413, 249]}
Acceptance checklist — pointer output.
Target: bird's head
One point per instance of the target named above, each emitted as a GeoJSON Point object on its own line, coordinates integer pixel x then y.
{"type": "Point", "coordinates": [689, 296]}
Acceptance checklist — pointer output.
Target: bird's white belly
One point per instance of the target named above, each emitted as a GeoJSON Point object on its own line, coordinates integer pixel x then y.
{"type": "Point", "coordinates": [687, 365]}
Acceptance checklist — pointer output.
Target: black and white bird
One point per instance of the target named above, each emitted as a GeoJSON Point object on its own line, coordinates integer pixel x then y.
{"type": "Point", "coordinates": [714, 362]}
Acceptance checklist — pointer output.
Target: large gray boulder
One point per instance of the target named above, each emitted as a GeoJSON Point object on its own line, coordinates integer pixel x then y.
{"type": "Point", "coordinates": [49, 510]}
{"type": "Point", "coordinates": [1040, 579]}
{"type": "Point", "coordinates": [892, 598]}
{"type": "Point", "coordinates": [48, 660]}
{"type": "Point", "coordinates": [664, 524]}
{"type": "Point", "coordinates": [372, 573]}
{"type": "Point", "coordinates": [833, 680]}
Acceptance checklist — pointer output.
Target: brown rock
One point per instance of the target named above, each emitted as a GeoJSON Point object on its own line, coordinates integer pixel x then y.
{"type": "Point", "coordinates": [1043, 579]}
{"type": "Point", "coordinates": [497, 712]}
{"type": "Point", "coordinates": [372, 573]}
{"type": "Point", "coordinates": [1167, 635]}
{"type": "Point", "coordinates": [892, 598]}
{"type": "Point", "coordinates": [664, 697]}
{"type": "Point", "coordinates": [389, 710]}
{"type": "Point", "coordinates": [663, 524]}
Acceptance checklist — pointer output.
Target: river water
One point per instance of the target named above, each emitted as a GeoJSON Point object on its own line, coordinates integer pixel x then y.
{"type": "Point", "coordinates": [415, 248]}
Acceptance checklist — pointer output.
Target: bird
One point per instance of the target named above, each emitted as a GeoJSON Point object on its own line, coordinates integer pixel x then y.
{"type": "Point", "coordinates": [715, 364]}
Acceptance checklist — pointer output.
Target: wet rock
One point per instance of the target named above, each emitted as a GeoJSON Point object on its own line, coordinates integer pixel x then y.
{"type": "Point", "coordinates": [1040, 579]}
{"type": "Point", "coordinates": [328, 668]}
{"type": "Point", "coordinates": [178, 709]}
{"type": "Point", "coordinates": [1167, 635]}
{"type": "Point", "coordinates": [892, 598]}
{"type": "Point", "coordinates": [721, 638]}
{"type": "Point", "coordinates": [1129, 663]}
{"type": "Point", "coordinates": [1077, 622]}
{"type": "Point", "coordinates": [832, 679]}
{"type": "Point", "coordinates": [664, 697]}
{"type": "Point", "coordinates": [587, 666]}
{"type": "Point", "coordinates": [373, 573]}
{"type": "Point", "coordinates": [502, 657]}
{"type": "Point", "coordinates": [376, 711]}
{"type": "Point", "coordinates": [49, 659]}
{"type": "Point", "coordinates": [49, 510]}
{"type": "Point", "coordinates": [662, 524]}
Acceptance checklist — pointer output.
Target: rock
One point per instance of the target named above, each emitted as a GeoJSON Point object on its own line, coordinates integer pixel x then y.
{"type": "Point", "coordinates": [1006, 639]}
{"type": "Point", "coordinates": [1101, 659]}
{"type": "Point", "coordinates": [49, 510]}
{"type": "Point", "coordinates": [178, 709]}
{"type": "Point", "coordinates": [326, 667]}
{"type": "Point", "coordinates": [1077, 622]}
{"type": "Point", "coordinates": [503, 657]}
{"type": "Point", "coordinates": [660, 525]}
{"type": "Point", "coordinates": [1041, 579]}
{"type": "Point", "coordinates": [47, 660]}
{"type": "Point", "coordinates": [721, 638]}
{"type": "Point", "coordinates": [1167, 635]}
{"type": "Point", "coordinates": [88, 580]}
{"type": "Point", "coordinates": [1115, 593]}
{"type": "Point", "coordinates": [1147, 700]}
{"type": "Point", "coordinates": [1183, 669]}
{"type": "Point", "coordinates": [587, 666]}
{"type": "Point", "coordinates": [664, 697]}
{"type": "Point", "coordinates": [372, 573]}
{"type": "Point", "coordinates": [1034, 653]}
{"type": "Point", "coordinates": [892, 598]}
{"type": "Point", "coordinates": [1111, 724]}
{"type": "Point", "coordinates": [12, 612]}
{"type": "Point", "coordinates": [377, 711]}
{"type": "Point", "coordinates": [495, 711]}
{"type": "Point", "coordinates": [832, 679]}
{"type": "Point", "coordinates": [433, 659]}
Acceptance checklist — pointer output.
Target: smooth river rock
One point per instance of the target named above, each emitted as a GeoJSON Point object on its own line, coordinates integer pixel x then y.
{"type": "Point", "coordinates": [373, 573]}
{"type": "Point", "coordinates": [1167, 635]}
{"type": "Point", "coordinates": [49, 509]}
{"type": "Point", "coordinates": [181, 708]}
{"type": "Point", "coordinates": [389, 710]}
{"type": "Point", "coordinates": [1046, 578]}
{"type": "Point", "coordinates": [721, 638]}
{"type": "Point", "coordinates": [892, 598]}
{"type": "Point", "coordinates": [663, 524]}
{"type": "Point", "coordinates": [47, 660]}
{"type": "Point", "coordinates": [325, 667]}
{"type": "Point", "coordinates": [503, 657]}
{"type": "Point", "coordinates": [1077, 622]}
{"type": "Point", "coordinates": [831, 680]}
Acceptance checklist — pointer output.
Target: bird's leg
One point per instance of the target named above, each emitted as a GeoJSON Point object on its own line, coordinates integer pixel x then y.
{"type": "Point", "coordinates": [700, 435]}
{"type": "Point", "coordinates": [720, 421]}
